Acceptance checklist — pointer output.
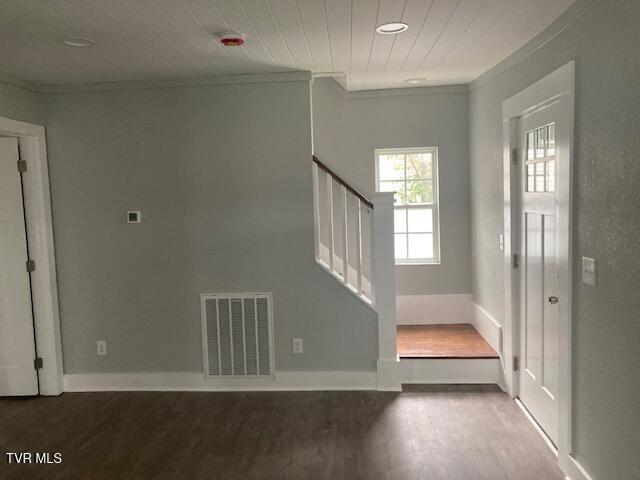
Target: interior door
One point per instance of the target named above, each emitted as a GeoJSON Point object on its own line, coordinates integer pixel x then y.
{"type": "Point", "coordinates": [17, 345]}
{"type": "Point", "coordinates": [539, 273]}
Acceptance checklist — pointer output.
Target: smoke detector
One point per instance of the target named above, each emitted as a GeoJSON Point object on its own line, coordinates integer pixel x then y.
{"type": "Point", "coordinates": [231, 39]}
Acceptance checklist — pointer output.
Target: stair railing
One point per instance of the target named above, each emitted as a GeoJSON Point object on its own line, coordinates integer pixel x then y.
{"type": "Point", "coordinates": [354, 242]}
{"type": "Point", "coordinates": [344, 231]}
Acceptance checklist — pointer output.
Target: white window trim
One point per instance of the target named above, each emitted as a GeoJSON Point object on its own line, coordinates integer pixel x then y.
{"type": "Point", "coordinates": [435, 206]}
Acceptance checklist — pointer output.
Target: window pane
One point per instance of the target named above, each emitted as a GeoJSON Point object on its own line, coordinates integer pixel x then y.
{"type": "Point", "coordinates": [419, 191]}
{"type": "Point", "coordinates": [391, 167]}
{"type": "Point", "coordinates": [551, 140]}
{"type": "Point", "coordinates": [400, 245]}
{"type": "Point", "coordinates": [551, 176]}
{"type": "Point", "coordinates": [531, 178]}
{"type": "Point", "coordinates": [421, 245]}
{"type": "Point", "coordinates": [419, 165]}
{"type": "Point", "coordinates": [540, 142]}
{"type": "Point", "coordinates": [397, 187]}
{"type": "Point", "coordinates": [420, 220]}
{"type": "Point", "coordinates": [400, 220]}
{"type": "Point", "coordinates": [540, 177]}
{"type": "Point", "coordinates": [531, 140]}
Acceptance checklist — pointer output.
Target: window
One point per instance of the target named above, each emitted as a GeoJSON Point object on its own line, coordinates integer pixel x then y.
{"type": "Point", "coordinates": [412, 173]}
{"type": "Point", "coordinates": [540, 162]}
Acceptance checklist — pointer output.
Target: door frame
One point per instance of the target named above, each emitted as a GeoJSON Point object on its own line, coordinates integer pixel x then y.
{"type": "Point", "coordinates": [559, 85]}
{"type": "Point", "coordinates": [39, 225]}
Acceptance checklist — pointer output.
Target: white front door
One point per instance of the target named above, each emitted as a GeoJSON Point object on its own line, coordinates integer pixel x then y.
{"type": "Point", "coordinates": [539, 272]}
{"type": "Point", "coordinates": [17, 344]}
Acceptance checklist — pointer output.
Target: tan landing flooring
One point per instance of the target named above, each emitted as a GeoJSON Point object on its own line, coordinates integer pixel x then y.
{"type": "Point", "coordinates": [442, 341]}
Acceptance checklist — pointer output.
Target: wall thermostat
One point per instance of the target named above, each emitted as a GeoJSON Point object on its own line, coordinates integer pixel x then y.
{"type": "Point", "coordinates": [134, 216]}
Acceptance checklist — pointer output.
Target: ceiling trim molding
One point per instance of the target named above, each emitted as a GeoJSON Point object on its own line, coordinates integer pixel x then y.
{"type": "Point", "coordinates": [9, 79]}
{"type": "Point", "coordinates": [176, 83]}
{"type": "Point", "coordinates": [560, 24]}
{"type": "Point", "coordinates": [397, 92]}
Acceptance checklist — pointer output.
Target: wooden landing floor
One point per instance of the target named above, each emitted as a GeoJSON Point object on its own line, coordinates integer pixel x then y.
{"type": "Point", "coordinates": [442, 341]}
{"type": "Point", "coordinates": [455, 432]}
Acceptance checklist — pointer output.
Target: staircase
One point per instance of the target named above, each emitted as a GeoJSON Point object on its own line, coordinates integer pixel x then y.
{"type": "Point", "coordinates": [354, 244]}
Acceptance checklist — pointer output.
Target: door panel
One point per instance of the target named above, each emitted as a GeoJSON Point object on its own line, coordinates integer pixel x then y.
{"type": "Point", "coordinates": [539, 330]}
{"type": "Point", "coordinates": [550, 330]}
{"type": "Point", "coordinates": [533, 287]}
{"type": "Point", "coordinates": [17, 346]}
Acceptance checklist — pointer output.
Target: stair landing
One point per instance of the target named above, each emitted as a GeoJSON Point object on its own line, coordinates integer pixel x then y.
{"type": "Point", "coordinates": [455, 341]}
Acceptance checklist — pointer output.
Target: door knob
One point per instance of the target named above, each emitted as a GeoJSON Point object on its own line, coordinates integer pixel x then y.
{"type": "Point", "coordinates": [553, 300]}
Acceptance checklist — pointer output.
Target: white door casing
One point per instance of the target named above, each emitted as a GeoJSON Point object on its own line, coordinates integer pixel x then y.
{"type": "Point", "coordinates": [17, 345]}
{"type": "Point", "coordinates": [557, 89]}
{"type": "Point", "coordinates": [539, 276]}
{"type": "Point", "coordinates": [39, 226]}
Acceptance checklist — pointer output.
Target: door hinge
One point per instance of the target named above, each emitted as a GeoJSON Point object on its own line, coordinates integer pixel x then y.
{"type": "Point", "coordinates": [22, 166]}
{"type": "Point", "coordinates": [31, 265]}
{"type": "Point", "coordinates": [37, 363]}
{"type": "Point", "coordinates": [516, 364]}
{"type": "Point", "coordinates": [514, 155]}
{"type": "Point", "coordinates": [516, 260]}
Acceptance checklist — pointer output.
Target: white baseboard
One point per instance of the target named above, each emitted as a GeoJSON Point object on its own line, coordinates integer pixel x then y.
{"type": "Point", "coordinates": [187, 381]}
{"type": "Point", "coordinates": [388, 376]}
{"type": "Point", "coordinates": [433, 309]}
{"type": "Point", "coordinates": [468, 371]}
{"type": "Point", "coordinates": [573, 470]}
{"type": "Point", "coordinates": [488, 327]}
{"type": "Point", "coordinates": [537, 427]}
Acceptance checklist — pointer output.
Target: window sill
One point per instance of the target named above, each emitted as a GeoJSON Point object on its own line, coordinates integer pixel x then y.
{"type": "Point", "coordinates": [416, 262]}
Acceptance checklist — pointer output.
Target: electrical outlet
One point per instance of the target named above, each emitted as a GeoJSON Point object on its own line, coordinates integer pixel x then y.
{"type": "Point", "coordinates": [102, 347]}
{"type": "Point", "coordinates": [297, 345]}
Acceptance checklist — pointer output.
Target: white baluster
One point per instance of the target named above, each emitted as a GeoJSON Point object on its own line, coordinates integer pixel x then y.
{"type": "Point", "coordinates": [345, 241]}
{"type": "Point", "coordinates": [330, 219]}
{"type": "Point", "coordinates": [316, 208]}
{"type": "Point", "coordinates": [359, 247]}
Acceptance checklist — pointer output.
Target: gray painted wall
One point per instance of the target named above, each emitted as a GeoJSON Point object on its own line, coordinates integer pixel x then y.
{"type": "Point", "coordinates": [605, 43]}
{"type": "Point", "coordinates": [20, 103]}
{"type": "Point", "coordinates": [348, 130]}
{"type": "Point", "coordinates": [222, 175]}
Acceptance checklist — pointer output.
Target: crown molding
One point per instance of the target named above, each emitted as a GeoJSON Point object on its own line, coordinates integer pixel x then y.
{"type": "Point", "coordinates": [241, 79]}
{"type": "Point", "coordinates": [560, 24]}
{"type": "Point", "coordinates": [396, 92]}
{"type": "Point", "coordinates": [14, 81]}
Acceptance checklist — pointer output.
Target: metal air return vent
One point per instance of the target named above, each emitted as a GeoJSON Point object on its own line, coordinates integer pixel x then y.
{"type": "Point", "coordinates": [237, 334]}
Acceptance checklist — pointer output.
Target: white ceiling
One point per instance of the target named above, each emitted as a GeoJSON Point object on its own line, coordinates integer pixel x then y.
{"type": "Point", "coordinates": [448, 41]}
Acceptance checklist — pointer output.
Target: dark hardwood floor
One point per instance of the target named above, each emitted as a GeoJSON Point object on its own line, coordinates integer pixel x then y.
{"type": "Point", "coordinates": [442, 341]}
{"type": "Point", "coordinates": [427, 433]}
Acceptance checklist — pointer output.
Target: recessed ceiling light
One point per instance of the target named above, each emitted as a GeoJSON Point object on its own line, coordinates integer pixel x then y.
{"type": "Point", "coordinates": [78, 42]}
{"type": "Point", "coordinates": [415, 81]}
{"type": "Point", "coordinates": [391, 28]}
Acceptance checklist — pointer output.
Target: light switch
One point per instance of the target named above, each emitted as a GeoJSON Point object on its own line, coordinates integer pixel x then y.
{"type": "Point", "coordinates": [589, 271]}
{"type": "Point", "coordinates": [501, 243]}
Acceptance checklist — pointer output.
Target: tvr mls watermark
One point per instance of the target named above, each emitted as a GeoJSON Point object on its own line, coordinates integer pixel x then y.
{"type": "Point", "coordinates": [36, 457]}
